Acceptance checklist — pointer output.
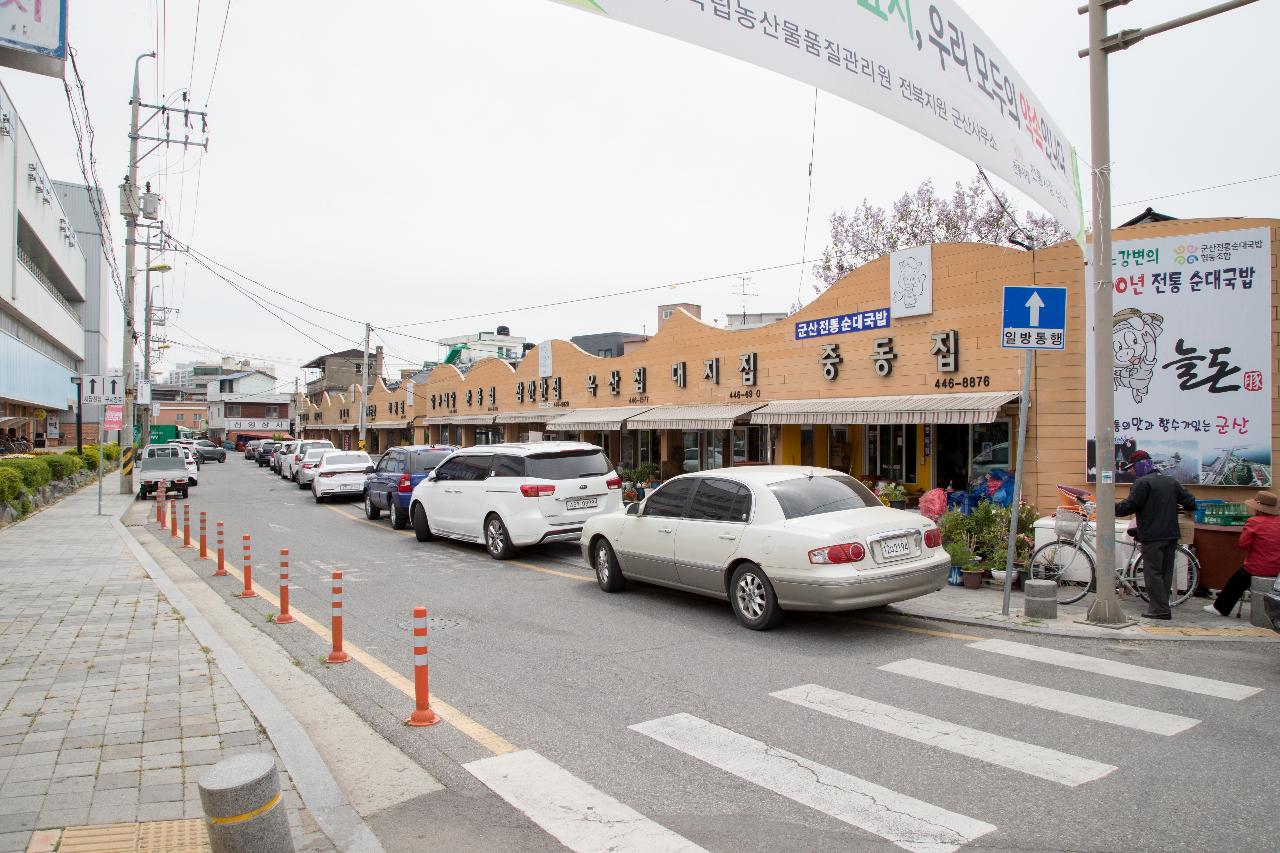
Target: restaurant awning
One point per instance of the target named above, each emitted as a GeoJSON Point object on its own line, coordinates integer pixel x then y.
{"type": "Point", "coordinates": [388, 425]}
{"type": "Point", "coordinates": [8, 422]}
{"type": "Point", "coordinates": [709, 416]}
{"type": "Point", "coordinates": [459, 420]}
{"type": "Point", "coordinates": [605, 420]}
{"type": "Point", "coordinates": [963, 408]}
{"type": "Point", "coordinates": [531, 416]}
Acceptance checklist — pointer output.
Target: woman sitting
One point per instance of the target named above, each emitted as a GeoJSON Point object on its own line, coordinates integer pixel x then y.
{"type": "Point", "coordinates": [1260, 541]}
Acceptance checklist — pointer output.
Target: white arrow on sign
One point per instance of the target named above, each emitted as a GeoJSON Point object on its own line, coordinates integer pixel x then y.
{"type": "Point", "coordinates": [1035, 303]}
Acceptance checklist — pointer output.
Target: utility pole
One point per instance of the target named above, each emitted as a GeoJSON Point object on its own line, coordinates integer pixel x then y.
{"type": "Point", "coordinates": [364, 383]}
{"type": "Point", "coordinates": [129, 206]}
{"type": "Point", "coordinates": [1105, 609]}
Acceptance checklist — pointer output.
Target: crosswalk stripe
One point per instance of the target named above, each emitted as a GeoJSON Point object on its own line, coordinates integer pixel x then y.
{"type": "Point", "coordinates": [1117, 669]}
{"type": "Point", "coordinates": [907, 822]}
{"type": "Point", "coordinates": [1074, 704]}
{"type": "Point", "coordinates": [579, 816]}
{"type": "Point", "coordinates": [1039, 761]}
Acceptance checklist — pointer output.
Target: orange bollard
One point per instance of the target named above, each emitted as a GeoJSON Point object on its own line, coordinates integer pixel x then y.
{"type": "Point", "coordinates": [173, 519]}
{"type": "Point", "coordinates": [337, 655]}
{"type": "Point", "coordinates": [222, 566]}
{"type": "Point", "coordinates": [186, 525]}
{"type": "Point", "coordinates": [422, 714]}
{"type": "Point", "coordinates": [204, 549]}
{"type": "Point", "coordinates": [284, 617]}
{"type": "Point", "coordinates": [247, 592]}
{"type": "Point", "coordinates": [159, 505]}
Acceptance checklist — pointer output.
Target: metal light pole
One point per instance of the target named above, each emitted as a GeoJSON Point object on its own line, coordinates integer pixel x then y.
{"type": "Point", "coordinates": [364, 384]}
{"type": "Point", "coordinates": [1105, 609]}
{"type": "Point", "coordinates": [131, 226]}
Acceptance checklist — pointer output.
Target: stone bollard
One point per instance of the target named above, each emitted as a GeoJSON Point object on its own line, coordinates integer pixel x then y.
{"type": "Point", "coordinates": [243, 808]}
{"type": "Point", "coordinates": [1039, 599]}
{"type": "Point", "coordinates": [1258, 587]}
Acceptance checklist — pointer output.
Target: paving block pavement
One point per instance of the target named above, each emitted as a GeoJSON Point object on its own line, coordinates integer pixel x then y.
{"type": "Point", "coordinates": [109, 707]}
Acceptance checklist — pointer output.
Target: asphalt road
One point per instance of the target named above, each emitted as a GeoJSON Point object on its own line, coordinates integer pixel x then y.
{"type": "Point", "coordinates": [533, 650]}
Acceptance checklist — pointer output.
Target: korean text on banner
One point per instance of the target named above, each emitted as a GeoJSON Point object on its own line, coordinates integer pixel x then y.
{"type": "Point", "coordinates": [1191, 344]}
{"type": "Point", "coordinates": [114, 417]}
{"type": "Point", "coordinates": [925, 65]}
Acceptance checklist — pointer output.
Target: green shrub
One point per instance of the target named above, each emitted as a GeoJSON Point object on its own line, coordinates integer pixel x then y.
{"type": "Point", "coordinates": [111, 451]}
{"type": "Point", "coordinates": [35, 472]}
{"type": "Point", "coordinates": [63, 465]}
{"type": "Point", "coordinates": [10, 484]}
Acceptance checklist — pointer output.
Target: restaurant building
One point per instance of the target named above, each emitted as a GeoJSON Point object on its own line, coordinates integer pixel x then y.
{"type": "Point", "coordinates": [897, 372]}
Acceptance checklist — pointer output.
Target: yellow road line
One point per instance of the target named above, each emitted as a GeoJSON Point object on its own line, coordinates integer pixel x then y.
{"type": "Point", "coordinates": [894, 626]}
{"type": "Point", "coordinates": [487, 738]}
{"type": "Point", "coordinates": [376, 524]}
{"type": "Point", "coordinates": [531, 567]}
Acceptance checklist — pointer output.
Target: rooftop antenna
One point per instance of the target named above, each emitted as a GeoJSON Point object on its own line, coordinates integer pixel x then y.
{"type": "Point", "coordinates": [740, 290]}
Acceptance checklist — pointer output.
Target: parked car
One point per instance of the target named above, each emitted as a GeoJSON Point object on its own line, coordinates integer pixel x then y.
{"type": "Point", "coordinates": [508, 496]}
{"type": "Point", "coordinates": [173, 450]}
{"type": "Point", "coordinates": [769, 539]}
{"type": "Point", "coordinates": [310, 462]}
{"type": "Point", "coordinates": [390, 487]}
{"type": "Point", "coordinates": [282, 452]}
{"type": "Point", "coordinates": [1271, 602]}
{"type": "Point", "coordinates": [251, 448]}
{"type": "Point", "coordinates": [341, 472]}
{"type": "Point", "coordinates": [263, 454]}
{"type": "Point", "coordinates": [193, 465]}
{"type": "Point", "coordinates": [293, 461]}
{"type": "Point", "coordinates": [208, 451]}
{"type": "Point", "coordinates": [162, 471]}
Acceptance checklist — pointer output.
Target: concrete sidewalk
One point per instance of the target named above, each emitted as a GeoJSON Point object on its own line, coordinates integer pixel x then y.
{"type": "Point", "coordinates": [982, 607]}
{"type": "Point", "coordinates": [109, 706]}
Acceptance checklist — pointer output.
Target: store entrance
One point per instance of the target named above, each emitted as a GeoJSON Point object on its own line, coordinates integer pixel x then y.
{"type": "Point", "coordinates": [951, 456]}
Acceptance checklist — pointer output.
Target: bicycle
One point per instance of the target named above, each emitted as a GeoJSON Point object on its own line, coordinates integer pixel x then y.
{"type": "Point", "coordinates": [1070, 560]}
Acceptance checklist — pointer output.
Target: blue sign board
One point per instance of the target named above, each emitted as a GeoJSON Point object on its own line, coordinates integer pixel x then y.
{"type": "Point", "coordinates": [858, 321]}
{"type": "Point", "coordinates": [1034, 318]}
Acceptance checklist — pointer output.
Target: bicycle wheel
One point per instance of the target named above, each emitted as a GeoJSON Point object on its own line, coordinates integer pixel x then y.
{"type": "Point", "coordinates": [1066, 564]}
{"type": "Point", "coordinates": [1186, 576]}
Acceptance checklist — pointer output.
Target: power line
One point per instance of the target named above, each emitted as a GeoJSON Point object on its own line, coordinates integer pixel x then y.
{"type": "Point", "coordinates": [808, 205]}
{"type": "Point", "coordinates": [1200, 190]}
{"type": "Point", "coordinates": [217, 57]}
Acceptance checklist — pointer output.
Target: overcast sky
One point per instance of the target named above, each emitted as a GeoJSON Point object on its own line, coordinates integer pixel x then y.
{"type": "Point", "coordinates": [409, 161]}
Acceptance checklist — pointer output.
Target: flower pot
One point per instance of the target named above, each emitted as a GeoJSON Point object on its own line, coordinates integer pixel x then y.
{"type": "Point", "coordinates": [972, 580]}
{"type": "Point", "coordinates": [902, 504]}
{"type": "Point", "coordinates": [998, 576]}
{"type": "Point", "coordinates": [954, 577]}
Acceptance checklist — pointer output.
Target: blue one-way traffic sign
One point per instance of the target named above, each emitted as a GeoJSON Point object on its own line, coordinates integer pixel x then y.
{"type": "Point", "coordinates": [1034, 318]}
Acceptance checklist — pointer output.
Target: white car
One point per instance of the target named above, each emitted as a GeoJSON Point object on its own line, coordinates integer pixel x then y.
{"type": "Point", "coordinates": [769, 538]}
{"type": "Point", "coordinates": [310, 462]}
{"type": "Point", "coordinates": [293, 462]}
{"type": "Point", "coordinates": [341, 472]}
{"type": "Point", "coordinates": [509, 496]}
{"type": "Point", "coordinates": [193, 464]}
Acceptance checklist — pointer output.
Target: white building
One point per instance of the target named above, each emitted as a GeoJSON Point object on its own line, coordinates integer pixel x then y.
{"type": "Point", "coordinates": [248, 401]}
{"type": "Point", "coordinates": [45, 303]}
{"type": "Point", "coordinates": [472, 348]}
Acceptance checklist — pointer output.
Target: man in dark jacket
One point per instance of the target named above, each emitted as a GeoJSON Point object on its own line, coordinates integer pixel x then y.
{"type": "Point", "coordinates": [1155, 499]}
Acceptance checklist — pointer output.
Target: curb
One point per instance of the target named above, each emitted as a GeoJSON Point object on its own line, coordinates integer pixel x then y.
{"type": "Point", "coordinates": [311, 776]}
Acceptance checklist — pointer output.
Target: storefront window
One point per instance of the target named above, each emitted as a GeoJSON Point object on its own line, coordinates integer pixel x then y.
{"type": "Point", "coordinates": [692, 456]}
{"type": "Point", "coordinates": [648, 447]}
{"type": "Point", "coordinates": [840, 448]}
{"type": "Point", "coordinates": [713, 440]}
{"type": "Point", "coordinates": [990, 445]}
{"type": "Point", "coordinates": [891, 452]}
{"type": "Point", "coordinates": [806, 445]}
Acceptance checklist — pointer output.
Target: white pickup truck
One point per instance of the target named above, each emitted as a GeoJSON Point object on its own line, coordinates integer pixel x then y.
{"type": "Point", "coordinates": [167, 472]}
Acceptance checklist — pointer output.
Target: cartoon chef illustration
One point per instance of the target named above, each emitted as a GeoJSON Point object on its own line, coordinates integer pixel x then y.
{"type": "Point", "coordinates": [912, 278]}
{"type": "Point", "coordinates": [1133, 343]}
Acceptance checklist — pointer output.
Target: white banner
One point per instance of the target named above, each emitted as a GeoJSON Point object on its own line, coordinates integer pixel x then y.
{"type": "Point", "coordinates": [1191, 343]}
{"type": "Point", "coordinates": [278, 425]}
{"type": "Point", "coordinates": [911, 282]}
{"type": "Point", "coordinates": [925, 65]}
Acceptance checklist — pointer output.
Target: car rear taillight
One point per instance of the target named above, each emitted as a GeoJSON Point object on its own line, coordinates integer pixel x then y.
{"type": "Point", "coordinates": [851, 552]}
{"type": "Point", "coordinates": [405, 486]}
{"type": "Point", "coordinates": [933, 538]}
{"type": "Point", "coordinates": [614, 482]}
{"type": "Point", "coordinates": [535, 491]}
{"type": "Point", "coordinates": [308, 464]}
{"type": "Point", "coordinates": [297, 457]}
{"type": "Point", "coordinates": [328, 473]}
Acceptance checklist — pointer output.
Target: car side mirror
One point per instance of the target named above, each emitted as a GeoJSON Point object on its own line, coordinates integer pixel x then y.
{"type": "Point", "coordinates": [368, 469]}
{"type": "Point", "coordinates": [633, 509]}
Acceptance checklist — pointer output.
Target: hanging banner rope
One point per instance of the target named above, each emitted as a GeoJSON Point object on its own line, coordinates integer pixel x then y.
{"type": "Point", "coordinates": [924, 65]}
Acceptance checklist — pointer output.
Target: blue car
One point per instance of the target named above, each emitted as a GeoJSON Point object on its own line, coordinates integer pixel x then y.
{"type": "Point", "coordinates": [391, 484]}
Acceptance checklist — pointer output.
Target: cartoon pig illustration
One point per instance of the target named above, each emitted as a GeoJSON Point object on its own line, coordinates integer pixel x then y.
{"type": "Point", "coordinates": [912, 277]}
{"type": "Point", "coordinates": [1133, 344]}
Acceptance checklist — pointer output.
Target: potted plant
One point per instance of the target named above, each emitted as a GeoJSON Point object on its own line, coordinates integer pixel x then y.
{"type": "Point", "coordinates": [894, 495]}
{"type": "Point", "coordinates": [961, 557]}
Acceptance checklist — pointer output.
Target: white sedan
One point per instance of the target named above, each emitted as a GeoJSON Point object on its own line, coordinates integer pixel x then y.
{"type": "Point", "coordinates": [769, 538]}
{"type": "Point", "coordinates": [310, 462]}
{"type": "Point", "coordinates": [341, 472]}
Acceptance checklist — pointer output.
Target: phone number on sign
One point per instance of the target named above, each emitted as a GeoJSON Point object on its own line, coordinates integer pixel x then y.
{"type": "Point", "coordinates": [951, 382]}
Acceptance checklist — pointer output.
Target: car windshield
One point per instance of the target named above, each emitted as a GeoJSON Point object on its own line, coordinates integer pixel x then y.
{"type": "Point", "coordinates": [314, 455]}
{"type": "Point", "coordinates": [568, 464]}
{"type": "Point", "coordinates": [816, 495]}
{"type": "Point", "coordinates": [161, 463]}
{"type": "Point", "coordinates": [334, 459]}
{"type": "Point", "coordinates": [422, 461]}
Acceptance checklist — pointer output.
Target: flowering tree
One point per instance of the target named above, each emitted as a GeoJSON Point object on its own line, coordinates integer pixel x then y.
{"type": "Point", "coordinates": [971, 215]}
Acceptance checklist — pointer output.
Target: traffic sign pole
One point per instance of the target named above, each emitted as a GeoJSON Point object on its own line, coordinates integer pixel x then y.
{"type": "Point", "coordinates": [1023, 405]}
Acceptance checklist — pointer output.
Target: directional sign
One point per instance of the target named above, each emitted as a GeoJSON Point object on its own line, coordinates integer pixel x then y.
{"type": "Point", "coordinates": [1034, 318]}
{"type": "Point", "coordinates": [102, 389]}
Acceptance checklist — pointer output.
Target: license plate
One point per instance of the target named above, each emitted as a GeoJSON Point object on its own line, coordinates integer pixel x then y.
{"type": "Point", "coordinates": [895, 547]}
{"type": "Point", "coordinates": [350, 487]}
{"type": "Point", "coordinates": [581, 503]}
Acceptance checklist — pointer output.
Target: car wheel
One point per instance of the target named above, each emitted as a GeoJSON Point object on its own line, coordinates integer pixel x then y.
{"type": "Point", "coordinates": [496, 539]}
{"type": "Point", "coordinates": [317, 496]}
{"type": "Point", "coordinates": [294, 475]}
{"type": "Point", "coordinates": [421, 527]}
{"type": "Point", "coordinates": [399, 518]}
{"type": "Point", "coordinates": [605, 562]}
{"type": "Point", "coordinates": [752, 598]}
{"type": "Point", "coordinates": [371, 512]}
{"type": "Point", "coordinates": [184, 494]}
{"type": "Point", "coordinates": [301, 485]}
{"type": "Point", "coordinates": [222, 459]}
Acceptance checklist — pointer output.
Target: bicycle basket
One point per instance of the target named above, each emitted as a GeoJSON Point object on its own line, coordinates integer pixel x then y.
{"type": "Point", "coordinates": [1066, 523]}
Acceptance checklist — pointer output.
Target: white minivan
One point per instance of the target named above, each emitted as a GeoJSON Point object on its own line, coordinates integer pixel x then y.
{"type": "Point", "coordinates": [509, 496]}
